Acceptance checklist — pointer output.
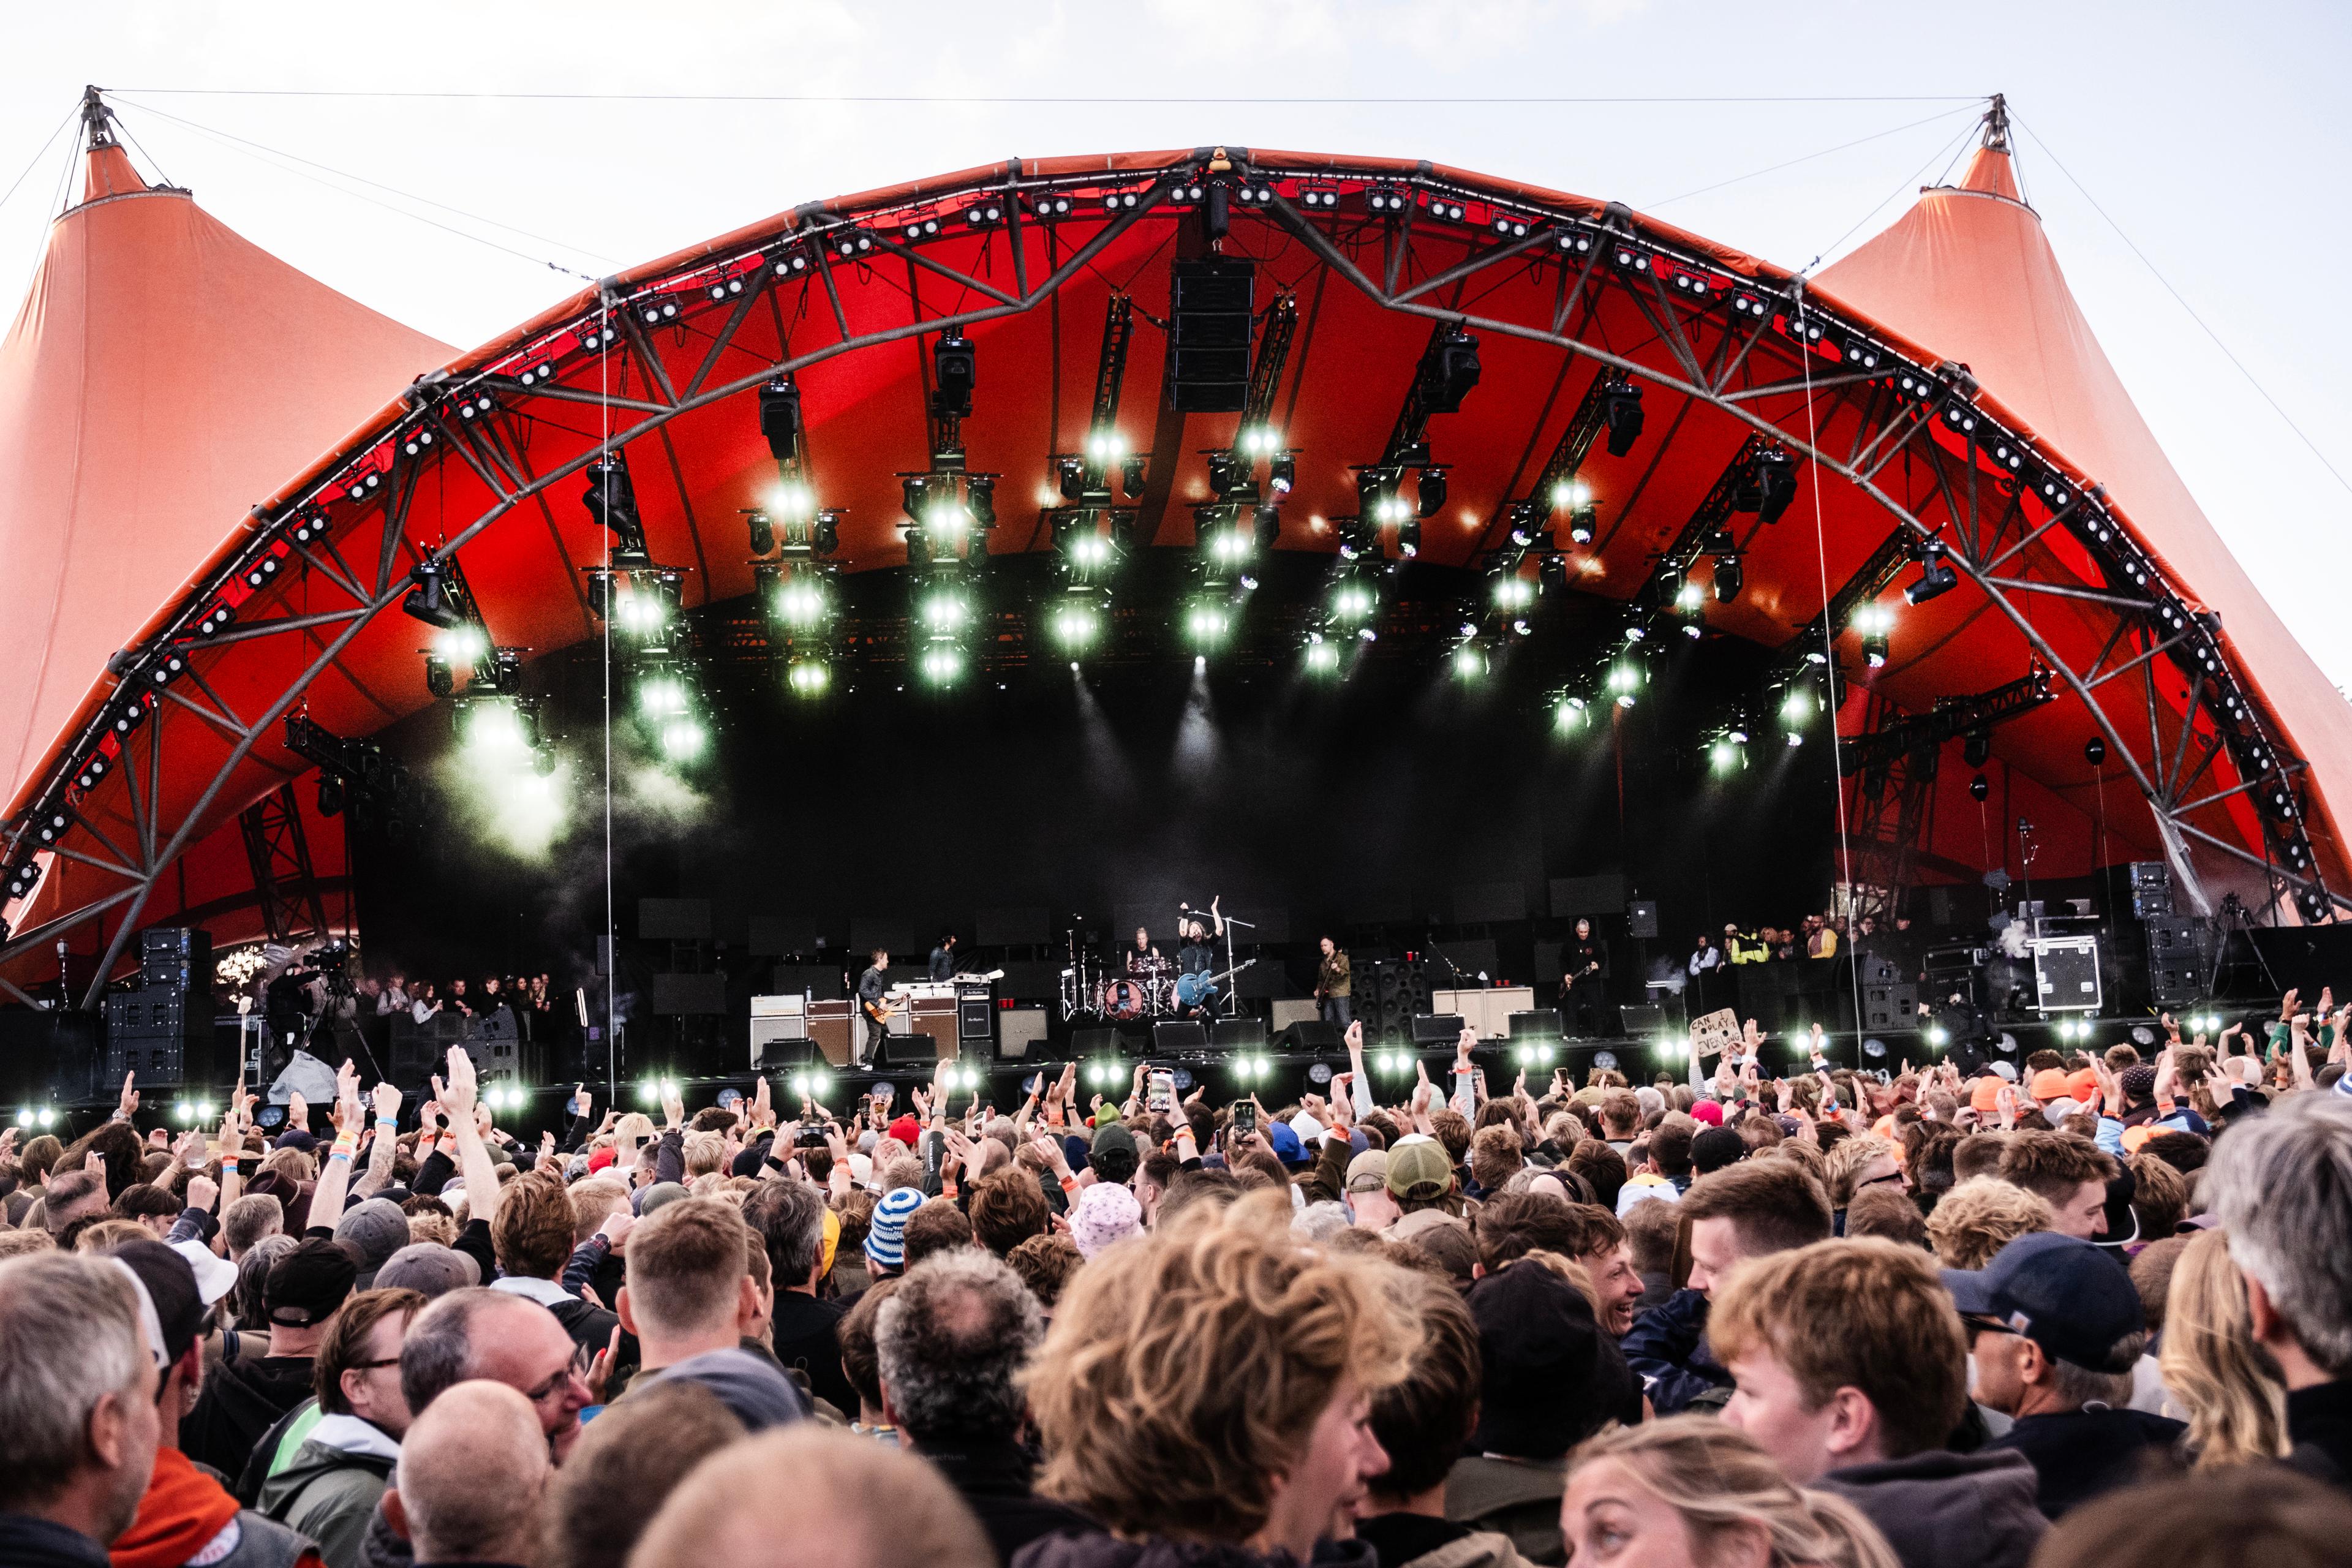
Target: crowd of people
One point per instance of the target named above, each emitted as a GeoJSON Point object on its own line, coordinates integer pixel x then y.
{"type": "Point", "coordinates": [2094, 1310]}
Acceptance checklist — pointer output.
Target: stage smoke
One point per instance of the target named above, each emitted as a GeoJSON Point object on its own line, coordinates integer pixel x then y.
{"type": "Point", "coordinates": [1196, 732]}
{"type": "Point", "coordinates": [502, 800]}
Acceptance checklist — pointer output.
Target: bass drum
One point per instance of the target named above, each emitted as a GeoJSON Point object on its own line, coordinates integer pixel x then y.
{"type": "Point", "coordinates": [1128, 999]}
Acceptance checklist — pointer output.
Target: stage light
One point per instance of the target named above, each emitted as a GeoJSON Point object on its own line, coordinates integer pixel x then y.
{"type": "Point", "coordinates": [763, 531]}
{"type": "Point", "coordinates": [1874, 623]}
{"type": "Point", "coordinates": [1131, 475]}
{"type": "Point", "coordinates": [1207, 621]}
{"type": "Point", "coordinates": [944, 609]}
{"type": "Point", "coordinates": [464, 643]}
{"type": "Point", "coordinates": [611, 503]}
{"type": "Point", "coordinates": [1448, 371]}
{"type": "Point", "coordinates": [1387, 200]}
{"type": "Point", "coordinates": [942, 666]}
{"type": "Point", "coordinates": [826, 537]}
{"type": "Point", "coordinates": [1077, 622]}
{"type": "Point", "coordinates": [1690, 598]}
{"type": "Point", "coordinates": [1937, 576]}
{"type": "Point", "coordinates": [1635, 633]}
{"type": "Point", "coordinates": [1469, 663]}
{"type": "Point", "coordinates": [1937, 1036]}
{"type": "Point", "coordinates": [1621, 410]}
{"type": "Point", "coordinates": [440, 679]}
{"type": "Point", "coordinates": [957, 368]}
{"type": "Point", "coordinates": [1322, 658]}
{"type": "Point", "coordinates": [1281, 473]}
{"type": "Point", "coordinates": [1512, 592]}
{"type": "Point", "coordinates": [1269, 524]}
{"type": "Point", "coordinates": [1409, 538]}
{"type": "Point", "coordinates": [661, 695]}
{"type": "Point", "coordinates": [1352, 602]}
{"type": "Point", "coordinates": [1624, 683]}
{"type": "Point", "coordinates": [429, 600]}
{"type": "Point", "coordinates": [1798, 706]}
{"type": "Point", "coordinates": [1432, 491]}
{"type": "Point", "coordinates": [802, 600]}
{"type": "Point", "coordinates": [641, 614]}
{"type": "Point", "coordinates": [1728, 578]}
{"type": "Point", "coordinates": [1727, 755]}
{"type": "Point", "coordinates": [809, 675]}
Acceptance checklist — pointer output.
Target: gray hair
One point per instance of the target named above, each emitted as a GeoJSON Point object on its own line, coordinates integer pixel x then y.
{"type": "Point", "coordinates": [2111, 1386]}
{"type": "Point", "coordinates": [67, 1188]}
{"type": "Point", "coordinates": [2280, 1185]}
{"type": "Point", "coordinates": [69, 1337]}
{"type": "Point", "coordinates": [251, 1217]}
{"type": "Point", "coordinates": [951, 1341]}
{"type": "Point", "coordinates": [1320, 1221]}
{"type": "Point", "coordinates": [790, 1218]}
{"type": "Point", "coordinates": [253, 1277]}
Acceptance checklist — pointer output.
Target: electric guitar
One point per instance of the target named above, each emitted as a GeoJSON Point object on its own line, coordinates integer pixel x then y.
{"type": "Point", "coordinates": [1192, 989]}
{"type": "Point", "coordinates": [893, 1003]}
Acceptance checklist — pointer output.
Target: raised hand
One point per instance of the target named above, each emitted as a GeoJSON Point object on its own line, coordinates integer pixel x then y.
{"type": "Point", "coordinates": [455, 1093]}
{"type": "Point", "coordinates": [203, 1191]}
{"type": "Point", "coordinates": [127, 1105]}
{"type": "Point", "coordinates": [1356, 1036]}
{"type": "Point", "coordinates": [298, 1110]}
{"type": "Point", "coordinates": [387, 1100]}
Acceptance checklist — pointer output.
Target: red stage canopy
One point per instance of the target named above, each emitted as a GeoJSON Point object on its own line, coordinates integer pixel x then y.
{"type": "Point", "coordinates": [296, 607]}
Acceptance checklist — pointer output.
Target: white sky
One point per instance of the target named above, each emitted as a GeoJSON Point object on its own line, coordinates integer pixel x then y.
{"type": "Point", "coordinates": [2205, 132]}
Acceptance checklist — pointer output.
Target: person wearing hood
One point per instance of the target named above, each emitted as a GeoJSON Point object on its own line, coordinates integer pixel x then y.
{"type": "Point", "coordinates": [1849, 1367]}
{"type": "Point", "coordinates": [2055, 1330]}
{"type": "Point", "coordinates": [1550, 1377]}
{"type": "Point", "coordinates": [690, 1300]}
{"type": "Point", "coordinates": [329, 1487]}
{"type": "Point", "coordinates": [1205, 1394]}
{"type": "Point", "coordinates": [244, 1398]}
{"type": "Point", "coordinates": [186, 1516]}
{"type": "Point", "coordinates": [1421, 1425]}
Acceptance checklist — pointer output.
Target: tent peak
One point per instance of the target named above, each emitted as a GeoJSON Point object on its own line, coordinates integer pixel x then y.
{"type": "Point", "coordinates": [107, 170]}
{"type": "Point", "coordinates": [1996, 124]}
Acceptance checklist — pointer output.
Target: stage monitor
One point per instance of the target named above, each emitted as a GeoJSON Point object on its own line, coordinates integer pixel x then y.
{"type": "Point", "coordinates": [1094, 1042]}
{"type": "Point", "coordinates": [1436, 1028]}
{"type": "Point", "coordinates": [1538, 1024]}
{"type": "Point", "coordinates": [1238, 1034]}
{"type": "Point", "coordinates": [1645, 1022]}
{"type": "Point", "coordinates": [1170, 1035]}
{"type": "Point", "coordinates": [674, 920]}
{"type": "Point", "coordinates": [1309, 1035]}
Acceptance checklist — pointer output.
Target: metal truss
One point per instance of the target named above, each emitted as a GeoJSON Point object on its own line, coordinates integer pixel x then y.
{"type": "Point", "coordinates": [1825, 387]}
{"type": "Point", "coordinates": [278, 853]}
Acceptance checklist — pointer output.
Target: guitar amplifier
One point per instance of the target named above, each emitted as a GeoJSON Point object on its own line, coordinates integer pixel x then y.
{"type": "Point", "coordinates": [1436, 1028]}
{"type": "Point", "coordinates": [975, 1018]}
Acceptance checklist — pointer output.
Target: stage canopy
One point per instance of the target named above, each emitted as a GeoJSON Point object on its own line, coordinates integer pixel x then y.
{"type": "Point", "coordinates": [1397, 365]}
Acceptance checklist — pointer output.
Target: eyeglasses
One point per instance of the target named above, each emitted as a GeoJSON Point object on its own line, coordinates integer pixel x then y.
{"type": "Point", "coordinates": [559, 1381]}
{"type": "Point", "coordinates": [373, 1365]}
{"type": "Point", "coordinates": [1880, 1181]}
{"type": "Point", "coordinates": [1976, 1326]}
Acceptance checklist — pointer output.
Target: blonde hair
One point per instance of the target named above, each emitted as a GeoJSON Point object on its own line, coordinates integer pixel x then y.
{"type": "Point", "coordinates": [705, 1153]}
{"type": "Point", "coordinates": [2235, 1404]}
{"type": "Point", "coordinates": [1981, 1217]}
{"type": "Point", "coordinates": [1184, 1370]}
{"type": "Point", "coordinates": [1842, 1163]}
{"type": "Point", "coordinates": [1722, 1482]}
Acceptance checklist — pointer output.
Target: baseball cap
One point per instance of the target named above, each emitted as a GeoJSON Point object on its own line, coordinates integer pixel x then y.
{"type": "Point", "coordinates": [599, 1159]}
{"type": "Point", "coordinates": [304, 1288]}
{"type": "Point", "coordinates": [2005, 1071]}
{"type": "Point", "coordinates": [171, 1283]}
{"type": "Point", "coordinates": [1368, 1171]}
{"type": "Point", "coordinates": [1113, 1135]}
{"type": "Point", "coordinates": [2065, 1295]}
{"type": "Point", "coordinates": [1307, 1127]}
{"type": "Point", "coordinates": [429, 1269]}
{"type": "Point", "coordinates": [1418, 1160]}
{"type": "Point", "coordinates": [885, 1233]}
{"type": "Point", "coordinates": [648, 1199]}
{"type": "Point", "coordinates": [377, 1229]}
{"type": "Point", "coordinates": [2048, 1084]}
{"type": "Point", "coordinates": [1284, 1143]}
{"type": "Point", "coordinates": [906, 1131]}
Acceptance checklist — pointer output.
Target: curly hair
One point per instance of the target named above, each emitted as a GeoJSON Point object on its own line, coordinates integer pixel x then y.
{"type": "Point", "coordinates": [1184, 1371]}
{"type": "Point", "coordinates": [951, 1341]}
{"type": "Point", "coordinates": [1495, 1156]}
{"type": "Point", "coordinates": [1046, 1264]}
{"type": "Point", "coordinates": [1981, 1217]}
{"type": "Point", "coordinates": [1722, 1483]}
{"type": "Point", "coordinates": [1008, 1208]}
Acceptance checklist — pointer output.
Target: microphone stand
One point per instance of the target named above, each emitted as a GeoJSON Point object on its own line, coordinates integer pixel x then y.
{"type": "Point", "coordinates": [1233, 989]}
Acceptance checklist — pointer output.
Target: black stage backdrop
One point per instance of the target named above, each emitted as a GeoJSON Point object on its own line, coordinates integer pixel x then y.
{"type": "Point", "coordinates": [1401, 805]}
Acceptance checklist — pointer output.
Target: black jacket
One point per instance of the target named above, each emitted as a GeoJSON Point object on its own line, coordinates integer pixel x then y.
{"type": "Point", "coordinates": [1666, 1347]}
{"type": "Point", "coordinates": [242, 1400]}
{"type": "Point", "coordinates": [2319, 1424]}
{"type": "Point", "coordinates": [994, 1479]}
{"type": "Point", "coordinates": [1067, 1548]}
{"type": "Point", "coordinates": [1941, 1510]}
{"type": "Point", "coordinates": [803, 1334]}
{"type": "Point", "coordinates": [2084, 1453]}
{"type": "Point", "coordinates": [29, 1542]}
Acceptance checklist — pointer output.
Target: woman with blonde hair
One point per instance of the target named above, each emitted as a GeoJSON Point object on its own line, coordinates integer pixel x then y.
{"type": "Point", "coordinates": [1205, 1392]}
{"type": "Point", "coordinates": [1691, 1491]}
{"type": "Point", "coordinates": [2226, 1386]}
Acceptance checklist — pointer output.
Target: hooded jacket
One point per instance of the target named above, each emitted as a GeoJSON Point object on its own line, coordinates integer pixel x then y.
{"type": "Point", "coordinates": [328, 1489]}
{"type": "Point", "coordinates": [1513, 1500]}
{"type": "Point", "coordinates": [1941, 1510]}
{"type": "Point", "coordinates": [242, 1399]}
{"type": "Point", "coordinates": [29, 1542]}
{"type": "Point", "coordinates": [754, 1386]}
{"type": "Point", "coordinates": [186, 1516]}
{"type": "Point", "coordinates": [1668, 1348]}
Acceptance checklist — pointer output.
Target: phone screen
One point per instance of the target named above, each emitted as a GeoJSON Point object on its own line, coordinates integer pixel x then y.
{"type": "Point", "coordinates": [1163, 1094]}
{"type": "Point", "coordinates": [1244, 1118]}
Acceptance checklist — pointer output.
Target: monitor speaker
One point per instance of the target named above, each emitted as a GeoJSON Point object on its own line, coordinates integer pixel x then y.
{"type": "Point", "coordinates": [975, 1018]}
{"type": "Point", "coordinates": [1171, 1036]}
{"type": "Point", "coordinates": [1310, 1035]}
{"type": "Point", "coordinates": [1541, 1024]}
{"type": "Point", "coordinates": [1888, 1008]}
{"type": "Point", "coordinates": [1643, 1021]}
{"type": "Point", "coordinates": [1094, 1042]}
{"type": "Point", "coordinates": [1238, 1034]}
{"type": "Point", "coordinates": [1436, 1028]}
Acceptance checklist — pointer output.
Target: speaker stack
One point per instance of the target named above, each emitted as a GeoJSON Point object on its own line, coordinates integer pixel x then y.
{"type": "Point", "coordinates": [162, 1031]}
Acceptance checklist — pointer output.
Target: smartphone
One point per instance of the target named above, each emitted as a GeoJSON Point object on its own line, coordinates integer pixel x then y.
{"type": "Point", "coordinates": [1160, 1092]}
{"type": "Point", "coordinates": [1244, 1118]}
{"type": "Point", "coordinates": [811, 1137]}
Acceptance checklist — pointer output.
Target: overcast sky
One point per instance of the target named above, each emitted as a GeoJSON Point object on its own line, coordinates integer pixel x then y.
{"type": "Point", "coordinates": [2212, 137]}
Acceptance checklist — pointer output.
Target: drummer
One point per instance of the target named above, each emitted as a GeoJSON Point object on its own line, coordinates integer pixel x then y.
{"type": "Point", "coordinates": [1143, 958]}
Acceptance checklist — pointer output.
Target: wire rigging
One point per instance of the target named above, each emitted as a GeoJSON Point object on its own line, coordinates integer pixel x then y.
{"type": "Point", "coordinates": [1809, 157]}
{"type": "Point", "coordinates": [961, 98]}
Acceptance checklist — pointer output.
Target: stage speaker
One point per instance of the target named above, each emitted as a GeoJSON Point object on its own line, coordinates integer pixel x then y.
{"type": "Point", "coordinates": [1238, 1034]}
{"type": "Point", "coordinates": [1209, 305]}
{"type": "Point", "coordinates": [1642, 918]}
{"type": "Point", "coordinates": [1018, 1030]}
{"type": "Point", "coordinates": [779, 1041]}
{"type": "Point", "coordinates": [975, 1018]}
{"type": "Point", "coordinates": [175, 958]}
{"type": "Point", "coordinates": [1436, 1028]}
{"type": "Point", "coordinates": [1541, 1024]}
{"type": "Point", "coordinates": [1641, 1021]}
{"type": "Point", "coordinates": [2151, 888]}
{"type": "Point", "coordinates": [907, 1051]}
{"type": "Point", "coordinates": [1310, 1035]}
{"type": "Point", "coordinates": [1877, 971]}
{"type": "Point", "coordinates": [1094, 1042]}
{"type": "Point", "coordinates": [1171, 1036]}
{"type": "Point", "coordinates": [52, 1057]}
{"type": "Point", "coordinates": [1296, 1010]}
{"type": "Point", "coordinates": [1885, 1007]}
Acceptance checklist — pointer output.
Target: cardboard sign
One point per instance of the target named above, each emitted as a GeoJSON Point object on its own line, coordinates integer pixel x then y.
{"type": "Point", "coordinates": [1711, 1032]}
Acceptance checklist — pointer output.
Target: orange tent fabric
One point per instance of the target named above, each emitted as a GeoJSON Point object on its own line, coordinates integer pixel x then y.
{"type": "Point", "coordinates": [1969, 274]}
{"type": "Point", "coordinates": [163, 375]}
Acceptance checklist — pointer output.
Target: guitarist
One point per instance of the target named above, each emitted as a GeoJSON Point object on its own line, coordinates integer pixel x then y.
{"type": "Point", "coordinates": [1198, 957]}
{"type": "Point", "coordinates": [871, 999]}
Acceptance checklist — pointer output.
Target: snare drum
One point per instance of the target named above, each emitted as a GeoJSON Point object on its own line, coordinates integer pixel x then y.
{"type": "Point", "coordinates": [1128, 999]}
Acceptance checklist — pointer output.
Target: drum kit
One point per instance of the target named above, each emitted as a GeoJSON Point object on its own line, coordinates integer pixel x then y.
{"type": "Point", "coordinates": [1150, 992]}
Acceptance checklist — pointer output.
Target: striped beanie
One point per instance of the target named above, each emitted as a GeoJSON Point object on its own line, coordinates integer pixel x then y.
{"type": "Point", "coordinates": [886, 1235]}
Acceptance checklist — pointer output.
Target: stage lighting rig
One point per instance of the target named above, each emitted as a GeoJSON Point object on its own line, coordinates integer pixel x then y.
{"type": "Point", "coordinates": [611, 503]}
{"type": "Point", "coordinates": [1874, 623]}
{"type": "Point", "coordinates": [1430, 491]}
{"type": "Point", "coordinates": [1770, 485]}
{"type": "Point", "coordinates": [1724, 555]}
{"type": "Point", "coordinates": [780, 421]}
{"type": "Point", "coordinates": [430, 600]}
{"type": "Point", "coordinates": [1449, 370]}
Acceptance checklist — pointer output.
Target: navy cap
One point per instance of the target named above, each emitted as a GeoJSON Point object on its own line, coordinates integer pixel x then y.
{"type": "Point", "coordinates": [2066, 1296]}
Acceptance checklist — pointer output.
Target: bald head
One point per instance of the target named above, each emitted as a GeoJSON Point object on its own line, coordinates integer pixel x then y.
{"type": "Point", "coordinates": [472, 1470]}
{"type": "Point", "coordinates": [889, 1510]}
